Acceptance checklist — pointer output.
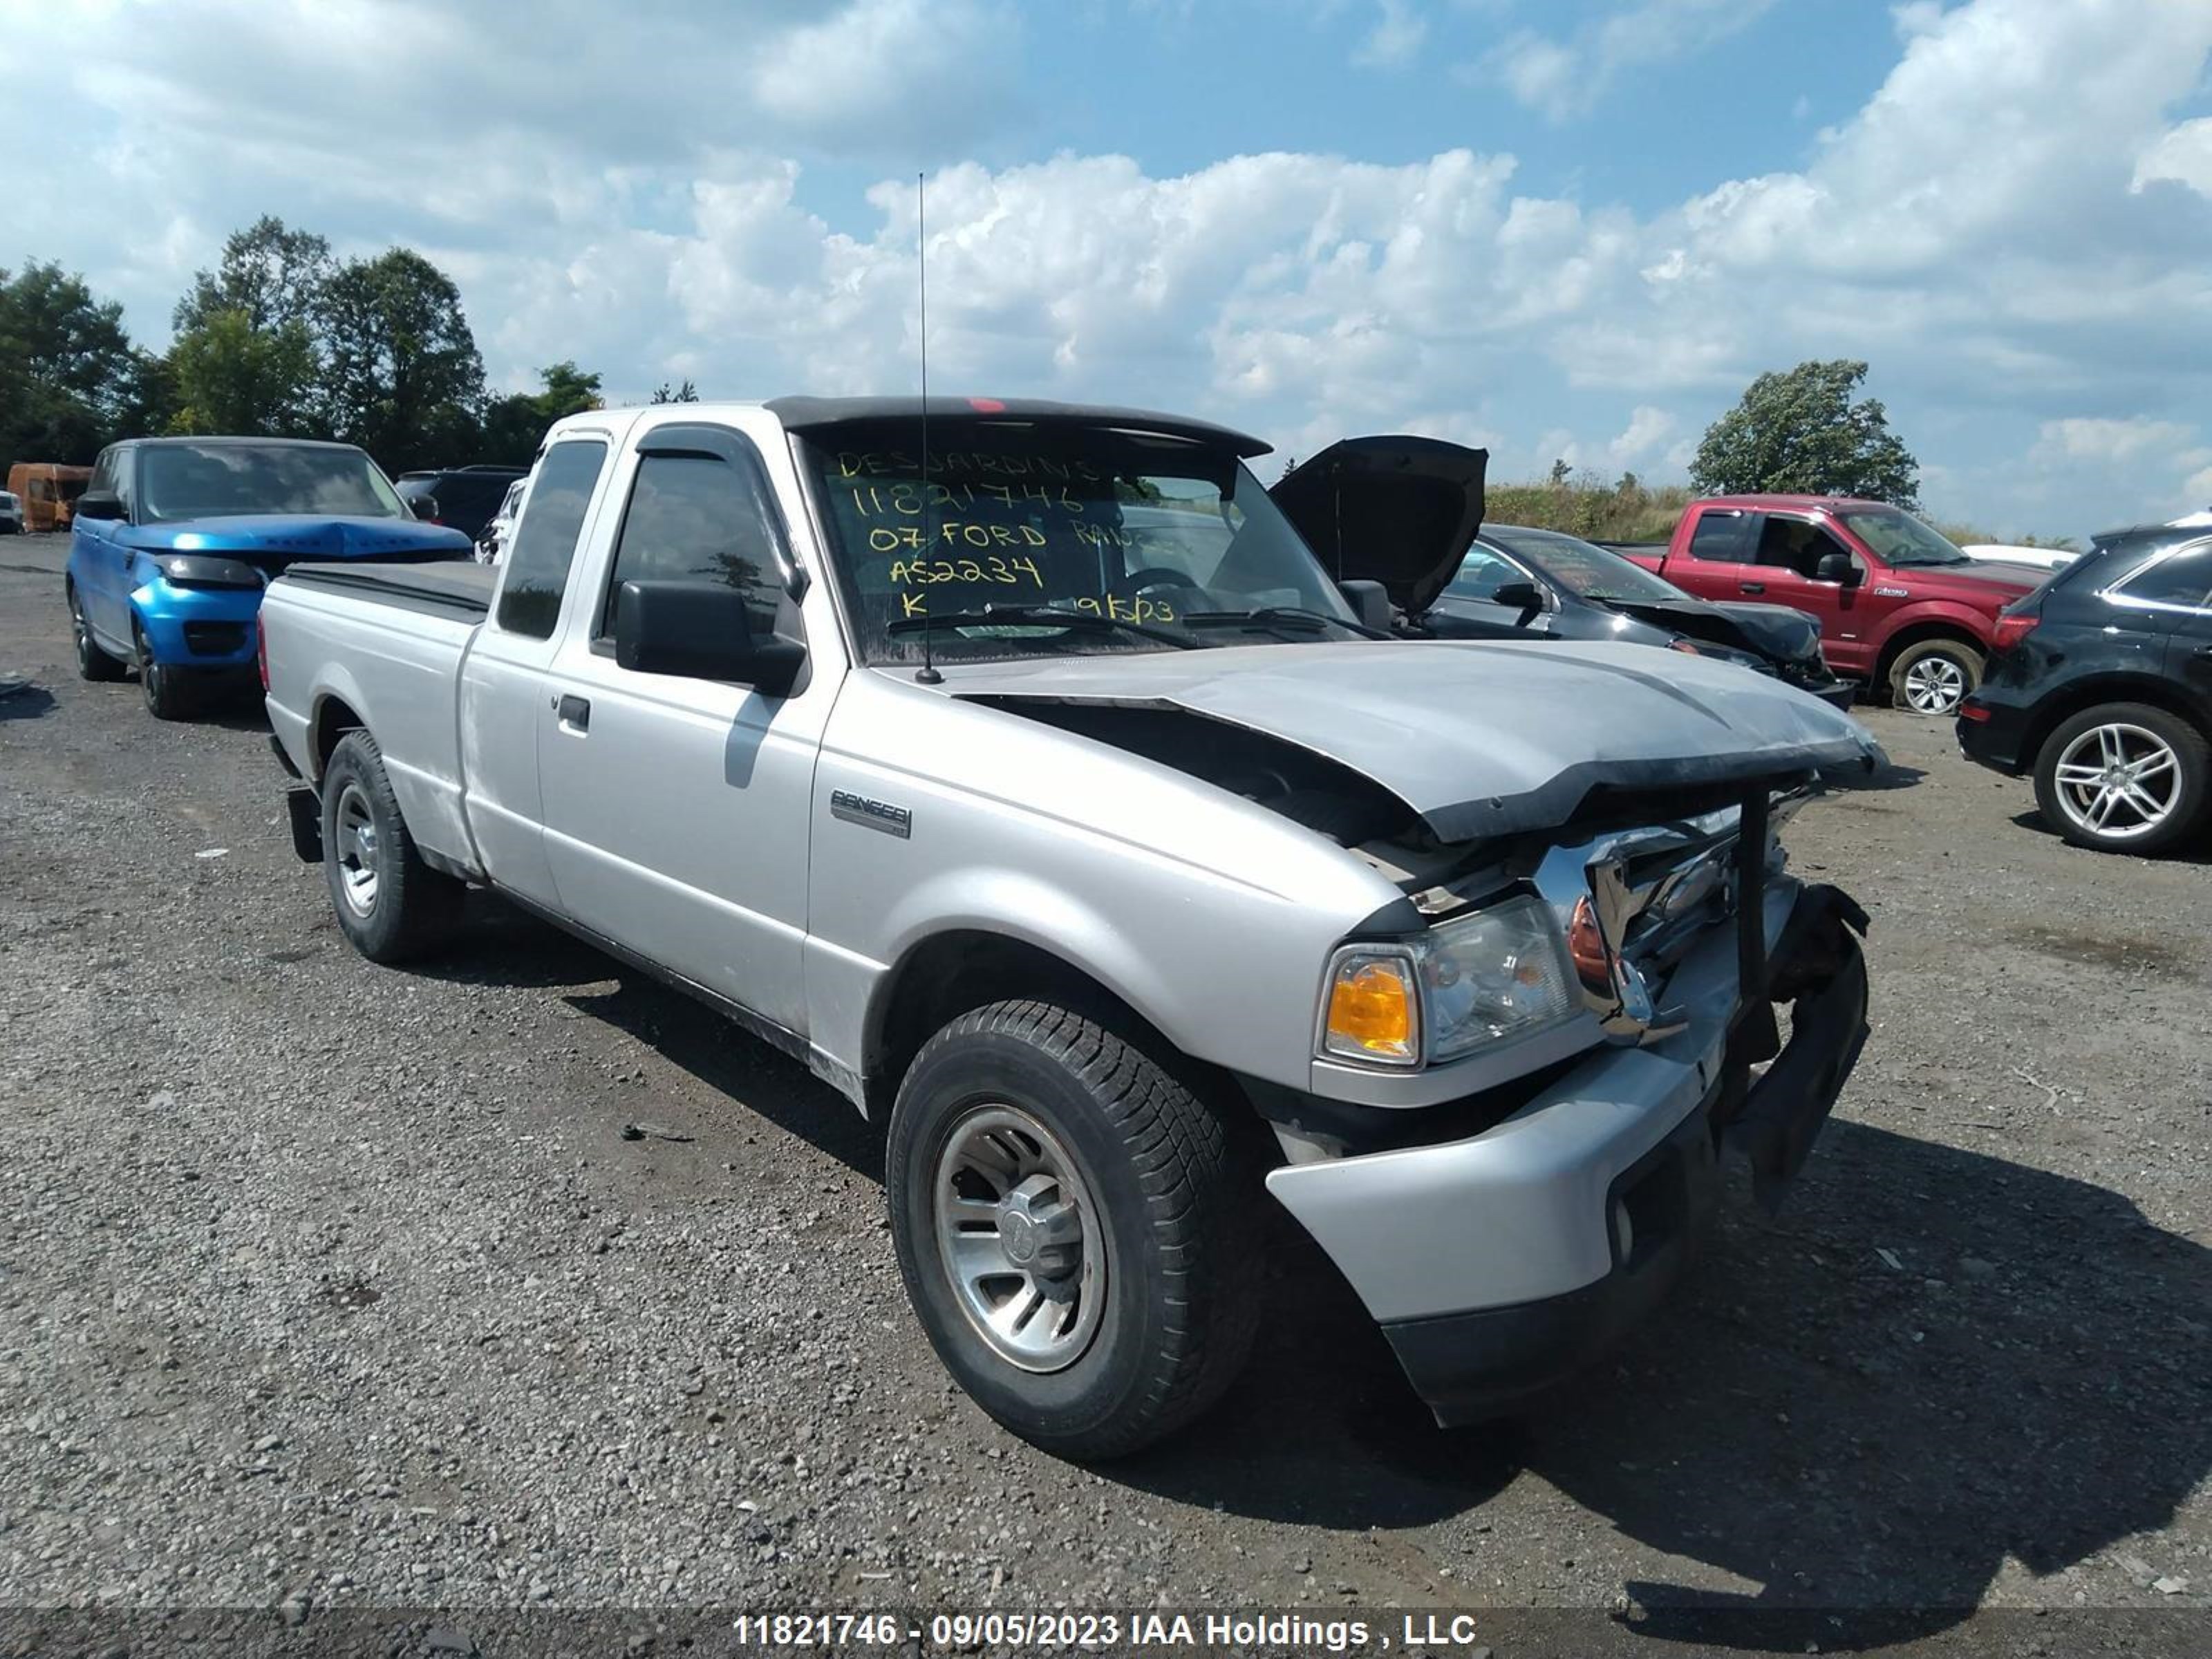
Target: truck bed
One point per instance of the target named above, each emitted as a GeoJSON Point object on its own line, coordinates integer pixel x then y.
{"type": "Point", "coordinates": [448, 587]}
{"type": "Point", "coordinates": [381, 645]}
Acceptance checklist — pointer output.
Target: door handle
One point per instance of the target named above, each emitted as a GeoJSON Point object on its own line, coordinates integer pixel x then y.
{"type": "Point", "coordinates": [574, 711]}
{"type": "Point", "coordinates": [1751, 587]}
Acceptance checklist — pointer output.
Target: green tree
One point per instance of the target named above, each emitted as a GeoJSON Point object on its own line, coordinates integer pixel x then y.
{"type": "Point", "coordinates": [513, 425]}
{"type": "Point", "coordinates": [1799, 432]}
{"type": "Point", "coordinates": [274, 275]}
{"type": "Point", "coordinates": [67, 367]}
{"type": "Point", "coordinates": [402, 376]}
{"type": "Point", "coordinates": [226, 375]}
{"type": "Point", "coordinates": [686, 393]}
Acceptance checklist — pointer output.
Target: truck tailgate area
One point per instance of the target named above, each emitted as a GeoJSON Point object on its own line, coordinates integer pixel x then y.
{"type": "Point", "coordinates": [380, 646]}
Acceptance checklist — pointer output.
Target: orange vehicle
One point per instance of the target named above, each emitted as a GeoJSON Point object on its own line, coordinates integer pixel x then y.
{"type": "Point", "coordinates": [48, 491]}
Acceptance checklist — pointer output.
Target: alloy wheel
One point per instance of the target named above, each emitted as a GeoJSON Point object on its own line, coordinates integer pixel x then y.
{"type": "Point", "coordinates": [1935, 685]}
{"type": "Point", "coordinates": [1018, 1238]}
{"type": "Point", "coordinates": [2118, 781]}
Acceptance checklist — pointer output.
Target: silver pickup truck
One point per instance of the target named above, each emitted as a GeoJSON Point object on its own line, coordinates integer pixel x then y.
{"type": "Point", "coordinates": [1020, 769]}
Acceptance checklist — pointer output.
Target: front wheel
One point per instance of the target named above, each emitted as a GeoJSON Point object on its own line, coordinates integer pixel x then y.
{"type": "Point", "coordinates": [389, 904]}
{"type": "Point", "coordinates": [1076, 1228]}
{"type": "Point", "coordinates": [1934, 676]}
{"type": "Point", "coordinates": [2125, 778]}
{"type": "Point", "coordinates": [169, 691]}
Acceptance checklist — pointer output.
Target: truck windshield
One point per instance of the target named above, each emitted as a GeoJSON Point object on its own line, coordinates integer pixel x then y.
{"type": "Point", "coordinates": [1902, 539]}
{"type": "Point", "coordinates": [209, 481]}
{"type": "Point", "coordinates": [1176, 538]}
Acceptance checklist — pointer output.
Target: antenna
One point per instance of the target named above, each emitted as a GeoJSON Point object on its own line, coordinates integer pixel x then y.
{"type": "Point", "coordinates": [927, 674]}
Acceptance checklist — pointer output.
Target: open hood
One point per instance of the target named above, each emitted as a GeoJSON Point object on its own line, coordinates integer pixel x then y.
{"type": "Point", "coordinates": [1477, 740]}
{"type": "Point", "coordinates": [1401, 511]}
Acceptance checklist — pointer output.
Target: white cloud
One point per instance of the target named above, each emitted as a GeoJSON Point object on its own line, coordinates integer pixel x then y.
{"type": "Point", "coordinates": [1647, 429]}
{"type": "Point", "coordinates": [2102, 439]}
{"type": "Point", "coordinates": [1399, 34]}
{"type": "Point", "coordinates": [919, 72]}
{"type": "Point", "coordinates": [1563, 78]}
{"type": "Point", "coordinates": [2183, 153]}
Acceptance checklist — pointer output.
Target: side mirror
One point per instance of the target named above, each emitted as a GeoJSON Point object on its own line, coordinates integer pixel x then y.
{"type": "Point", "coordinates": [99, 504]}
{"type": "Point", "coordinates": [705, 631]}
{"type": "Point", "coordinates": [1525, 597]}
{"type": "Point", "coordinates": [1370, 603]}
{"type": "Point", "coordinates": [425, 507]}
{"type": "Point", "coordinates": [1838, 568]}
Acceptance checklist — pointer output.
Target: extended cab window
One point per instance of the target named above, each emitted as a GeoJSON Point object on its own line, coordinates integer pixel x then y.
{"type": "Point", "coordinates": [1722, 537]}
{"type": "Point", "coordinates": [698, 518]}
{"type": "Point", "coordinates": [545, 541]}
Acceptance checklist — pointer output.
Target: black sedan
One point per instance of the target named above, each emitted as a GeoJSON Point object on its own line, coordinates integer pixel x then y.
{"type": "Point", "coordinates": [1407, 512]}
{"type": "Point", "coordinates": [2100, 684]}
{"type": "Point", "coordinates": [1514, 581]}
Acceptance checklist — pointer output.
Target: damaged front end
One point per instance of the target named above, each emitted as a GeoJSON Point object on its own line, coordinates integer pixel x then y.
{"type": "Point", "coordinates": [1519, 1233]}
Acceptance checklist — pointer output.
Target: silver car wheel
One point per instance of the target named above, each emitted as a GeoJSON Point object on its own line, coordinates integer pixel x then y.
{"type": "Point", "coordinates": [356, 850]}
{"type": "Point", "coordinates": [1018, 1238]}
{"type": "Point", "coordinates": [1935, 685]}
{"type": "Point", "coordinates": [2118, 781]}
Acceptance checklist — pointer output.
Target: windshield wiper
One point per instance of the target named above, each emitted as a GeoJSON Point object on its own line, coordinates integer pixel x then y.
{"type": "Point", "coordinates": [1036, 615]}
{"type": "Point", "coordinates": [1279, 616]}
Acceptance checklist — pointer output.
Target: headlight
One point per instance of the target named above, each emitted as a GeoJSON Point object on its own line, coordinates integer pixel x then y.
{"type": "Point", "coordinates": [1497, 974]}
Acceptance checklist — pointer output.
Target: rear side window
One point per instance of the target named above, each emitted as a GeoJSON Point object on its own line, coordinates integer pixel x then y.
{"type": "Point", "coordinates": [696, 519]}
{"type": "Point", "coordinates": [1724, 537]}
{"type": "Point", "coordinates": [2183, 579]}
{"type": "Point", "coordinates": [545, 541]}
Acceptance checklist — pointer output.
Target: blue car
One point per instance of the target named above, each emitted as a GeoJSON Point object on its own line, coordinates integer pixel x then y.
{"type": "Point", "coordinates": [176, 538]}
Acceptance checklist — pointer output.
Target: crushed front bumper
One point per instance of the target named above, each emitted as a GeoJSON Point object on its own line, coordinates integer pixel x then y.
{"type": "Point", "coordinates": [1498, 1264]}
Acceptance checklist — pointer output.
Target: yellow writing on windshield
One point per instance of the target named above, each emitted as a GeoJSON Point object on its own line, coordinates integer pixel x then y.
{"type": "Point", "coordinates": [1007, 571]}
{"type": "Point", "coordinates": [877, 501]}
{"type": "Point", "coordinates": [898, 537]}
{"type": "Point", "coordinates": [956, 463]}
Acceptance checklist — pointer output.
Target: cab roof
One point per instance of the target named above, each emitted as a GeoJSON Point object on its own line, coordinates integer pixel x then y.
{"type": "Point", "coordinates": [806, 414]}
{"type": "Point", "coordinates": [1833, 503]}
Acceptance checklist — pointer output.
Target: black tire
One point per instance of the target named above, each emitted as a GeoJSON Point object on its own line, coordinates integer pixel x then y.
{"type": "Point", "coordinates": [1177, 1214]}
{"type": "Point", "coordinates": [169, 691]}
{"type": "Point", "coordinates": [2191, 801]}
{"type": "Point", "coordinates": [406, 909]}
{"type": "Point", "coordinates": [92, 663]}
{"type": "Point", "coordinates": [1954, 663]}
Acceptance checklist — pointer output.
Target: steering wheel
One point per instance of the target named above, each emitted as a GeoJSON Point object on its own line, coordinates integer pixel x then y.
{"type": "Point", "coordinates": [1153, 575]}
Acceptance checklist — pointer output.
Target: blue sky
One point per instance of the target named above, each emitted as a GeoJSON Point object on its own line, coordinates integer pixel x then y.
{"type": "Point", "coordinates": [1564, 230]}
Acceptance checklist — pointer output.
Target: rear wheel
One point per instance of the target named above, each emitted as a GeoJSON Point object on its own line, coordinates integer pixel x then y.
{"type": "Point", "coordinates": [389, 904]}
{"type": "Point", "coordinates": [1934, 676]}
{"type": "Point", "coordinates": [92, 662]}
{"type": "Point", "coordinates": [1075, 1227]}
{"type": "Point", "coordinates": [169, 691]}
{"type": "Point", "coordinates": [2125, 778]}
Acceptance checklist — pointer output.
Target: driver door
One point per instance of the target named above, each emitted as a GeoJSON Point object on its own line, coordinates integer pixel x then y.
{"type": "Point", "coordinates": [1790, 548]}
{"type": "Point", "coordinates": [677, 808]}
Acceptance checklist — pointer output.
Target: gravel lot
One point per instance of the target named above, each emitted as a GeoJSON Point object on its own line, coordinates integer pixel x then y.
{"type": "Point", "coordinates": [324, 1282]}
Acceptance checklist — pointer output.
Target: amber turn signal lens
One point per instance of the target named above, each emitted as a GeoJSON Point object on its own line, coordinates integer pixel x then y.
{"type": "Point", "coordinates": [1372, 1010]}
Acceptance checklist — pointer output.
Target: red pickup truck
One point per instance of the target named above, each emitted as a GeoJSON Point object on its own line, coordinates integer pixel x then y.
{"type": "Point", "coordinates": [1898, 606]}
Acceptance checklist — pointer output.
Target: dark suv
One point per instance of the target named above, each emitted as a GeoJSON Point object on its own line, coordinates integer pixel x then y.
{"type": "Point", "coordinates": [2101, 682]}
{"type": "Point", "coordinates": [467, 496]}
